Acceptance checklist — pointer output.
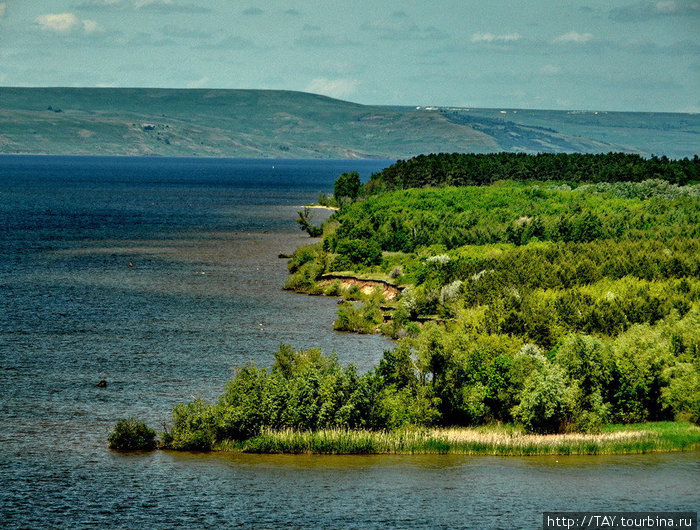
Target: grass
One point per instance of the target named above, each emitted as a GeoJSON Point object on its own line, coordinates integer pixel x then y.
{"type": "Point", "coordinates": [495, 440]}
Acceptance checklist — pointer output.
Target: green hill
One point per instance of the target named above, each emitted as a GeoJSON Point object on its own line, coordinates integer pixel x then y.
{"type": "Point", "coordinates": [283, 124]}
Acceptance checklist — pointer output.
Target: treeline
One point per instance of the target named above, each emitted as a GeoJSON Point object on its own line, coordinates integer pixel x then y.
{"type": "Point", "coordinates": [514, 213]}
{"type": "Point", "coordinates": [467, 378]}
{"type": "Point", "coordinates": [460, 169]}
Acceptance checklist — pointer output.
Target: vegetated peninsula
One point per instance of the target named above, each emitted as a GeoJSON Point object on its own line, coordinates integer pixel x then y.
{"type": "Point", "coordinates": [557, 312]}
{"type": "Point", "coordinates": [285, 124]}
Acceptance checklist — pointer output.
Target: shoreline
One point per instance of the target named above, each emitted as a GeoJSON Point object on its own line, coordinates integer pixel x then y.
{"type": "Point", "coordinates": [320, 207]}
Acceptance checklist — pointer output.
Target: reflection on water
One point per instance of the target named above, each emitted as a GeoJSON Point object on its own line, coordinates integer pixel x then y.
{"type": "Point", "coordinates": [160, 275]}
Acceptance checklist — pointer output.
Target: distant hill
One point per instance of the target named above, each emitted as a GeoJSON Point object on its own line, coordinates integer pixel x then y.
{"type": "Point", "coordinates": [284, 124]}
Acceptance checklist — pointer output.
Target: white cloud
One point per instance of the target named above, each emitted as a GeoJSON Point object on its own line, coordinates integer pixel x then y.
{"type": "Point", "coordinates": [67, 23]}
{"type": "Point", "coordinates": [337, 88]}
{"type": "Point", "coordinates": [575, 37]}
{"type": "Point", "coordinates": [90, 26]}
{"type": "Point", "coordinates": [491, 37]}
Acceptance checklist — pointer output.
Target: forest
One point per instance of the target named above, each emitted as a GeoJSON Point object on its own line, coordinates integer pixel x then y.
{"type": "Point", "coordinates": [470, 169]}
{"type": "Point", "coordinates": [563, 299]}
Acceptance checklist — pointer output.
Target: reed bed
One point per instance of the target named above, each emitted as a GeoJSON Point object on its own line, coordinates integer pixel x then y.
{"type": "Point", "coordinates": [498, 441]}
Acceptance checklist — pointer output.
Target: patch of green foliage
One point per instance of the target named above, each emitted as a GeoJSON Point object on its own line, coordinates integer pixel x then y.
{"type": "Point", "coordinates": [468, 169]}
{"type": "Point", "coordinates": [347, 187]}
{"type": "Point", "coordinates": [556, 307]}
{"type": "Point", "coordinates": [406, 221]}
{"type": "Point", "coordinates": [130, 434]}
{"type": "Point", "coordinates": [303, 390]}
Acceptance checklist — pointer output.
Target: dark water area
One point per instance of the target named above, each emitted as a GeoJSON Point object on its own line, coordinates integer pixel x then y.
{"type": "Point", "coordinates": [159, 275]}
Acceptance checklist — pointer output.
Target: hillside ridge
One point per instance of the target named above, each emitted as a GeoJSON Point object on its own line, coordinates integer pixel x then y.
{"type": "Point", "coordinates": [288, 124]}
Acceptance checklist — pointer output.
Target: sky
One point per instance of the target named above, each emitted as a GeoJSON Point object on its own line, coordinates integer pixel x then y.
{"type": "Point", "coordinates": [540, 54]}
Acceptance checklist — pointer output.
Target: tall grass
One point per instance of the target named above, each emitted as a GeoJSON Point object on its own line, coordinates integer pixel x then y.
{"type": "Point", "coordinates": [492, 440]}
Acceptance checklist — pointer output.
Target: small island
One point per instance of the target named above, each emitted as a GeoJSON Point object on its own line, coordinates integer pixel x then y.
{"type": "Point", "coordinates": [541, 304]}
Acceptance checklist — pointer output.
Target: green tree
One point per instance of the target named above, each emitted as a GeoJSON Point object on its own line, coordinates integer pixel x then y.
{"type": "Point", "coordinates": [347, 185]}
{"type": "Point", "coordinates": [547, 400]}
{"type": "Point", "coordinates": [304, 221]}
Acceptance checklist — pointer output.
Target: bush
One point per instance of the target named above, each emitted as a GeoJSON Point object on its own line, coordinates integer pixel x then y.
{"type": "Point", "coordinates": [193, 427]}
{"type": "Point", "coordinates": [365, 319]}
{"type": "Point", "coordinates": [360, 251]}
{"type": "Point", "coordinates": [546, 401]}
{"type": "Point", "coordinates": [130, 434]}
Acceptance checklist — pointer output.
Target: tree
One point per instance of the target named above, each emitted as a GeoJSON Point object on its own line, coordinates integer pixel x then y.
{"type": "Point", "coordinates": [304, 221]}
{"type": "Point", "coordinates": [347, 185]}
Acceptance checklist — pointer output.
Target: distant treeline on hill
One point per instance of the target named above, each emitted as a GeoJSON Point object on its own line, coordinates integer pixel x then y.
{"type": "Point", "coordinates": [459, 169]}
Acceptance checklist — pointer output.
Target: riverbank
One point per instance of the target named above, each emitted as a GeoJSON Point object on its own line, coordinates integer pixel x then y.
{"type": "Point", "coordinates": [321, 207]}
{"type": "Point", "coordinates": [488, 441]}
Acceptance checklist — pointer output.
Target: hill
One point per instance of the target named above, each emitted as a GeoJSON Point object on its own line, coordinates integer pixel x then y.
{"type": "Point", "coordinates": [284, 124]}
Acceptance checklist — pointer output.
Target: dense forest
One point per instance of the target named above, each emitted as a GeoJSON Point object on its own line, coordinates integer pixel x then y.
{"type": "Point", "coordinates": [468, 169]}
{"type": "Point", "coordinates": [560, 304]}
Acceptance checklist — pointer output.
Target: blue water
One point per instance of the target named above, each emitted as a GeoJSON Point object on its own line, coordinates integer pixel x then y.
{"type": "Point", "coordinates": [159, 275]}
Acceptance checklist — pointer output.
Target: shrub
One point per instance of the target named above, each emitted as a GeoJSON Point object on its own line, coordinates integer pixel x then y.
{"type": "Point", "coordinates": [361, 252]}
{"type": "Point", "coordinates": [193, 427]}
{"type": "Point", "coordinates": [130, 434]}
{"type": "Point", "coordinates": [546, 401]}
{"type": "Point", "coordinates": [364, 319]}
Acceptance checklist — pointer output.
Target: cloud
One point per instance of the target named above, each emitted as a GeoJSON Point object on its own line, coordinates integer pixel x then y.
{"type": "Point", "coordinates": [253, 11]}
{"type": "Point", "coordinates": [67, 23]}
{"type": "Point", "coordinates": [490, 37]}
{"type": "Point", "coordinates": [574, 37]}
{"type": "Point", "coordinates": [3, 8]}
{"type": "Point", "coordinates": [337, 88]}
{"type": "Point", "coordinates": [648, 10]}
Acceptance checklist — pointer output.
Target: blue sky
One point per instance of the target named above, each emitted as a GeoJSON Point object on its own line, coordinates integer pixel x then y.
{"type": "Point", "coordinates": [587, 54]}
